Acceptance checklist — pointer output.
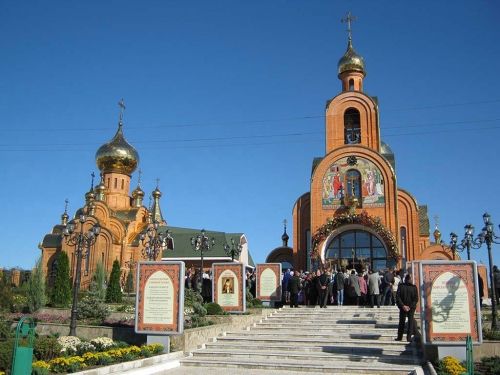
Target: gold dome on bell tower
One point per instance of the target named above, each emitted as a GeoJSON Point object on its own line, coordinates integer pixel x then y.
{"type": "Point", "coordinates": [117, 156]}
{"type": "Point", "coordinates": [351, 61]}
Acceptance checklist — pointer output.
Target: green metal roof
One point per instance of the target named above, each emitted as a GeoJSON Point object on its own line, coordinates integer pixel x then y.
{"type": "Point", "coordinates": [52, 240]}
{"type": "Point", "coordinates": [182, 242]}
{"type": "Point", "coordinates": [423, 220]}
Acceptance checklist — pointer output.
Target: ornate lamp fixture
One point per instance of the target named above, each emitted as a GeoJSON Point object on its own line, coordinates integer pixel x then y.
{"type": "Point", "coordinates": [234, 250]}
{"type": "Point", "coordinates": [202, 243]}
{"type": "Point", "coordinates": [467, 242]}
{"type": "Point", "coordinates": [82, 241]}
{"type": "Point", "coordinates": [155, 242]}
{"type": "Point", "coordinates": [488, 236]}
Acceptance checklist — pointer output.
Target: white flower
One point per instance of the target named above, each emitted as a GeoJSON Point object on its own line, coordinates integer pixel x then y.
{"type": "Point", "coordinates": [103, 342]}
{"type": "Point", "coordinates": [68, 342]}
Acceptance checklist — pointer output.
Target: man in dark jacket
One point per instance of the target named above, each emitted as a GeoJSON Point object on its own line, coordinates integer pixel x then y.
{"type": "Point", "coordinates": [406, 299]}
{"type": "Point", "coordinates": [339, 283]}
{"type": "Point", "coordinates": [294, 289]}
{"type": "Point", "coordinates": [323, 282]}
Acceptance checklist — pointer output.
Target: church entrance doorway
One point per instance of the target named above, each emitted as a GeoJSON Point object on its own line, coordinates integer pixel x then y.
{"type": "Point", "coordinates": [357, 249]}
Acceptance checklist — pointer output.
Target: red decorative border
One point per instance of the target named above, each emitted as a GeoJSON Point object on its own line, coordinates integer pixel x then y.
{"type": "Point", "coordinates": [415, 269]}
{"type": "Point", "coordinates": [238, 270]}
{"type": "Point", "coordinates": [145, 271]}
{"type": "Point", "coordinates": [466, 272]}
{"type": "Point", "coordinates": [276, 268]}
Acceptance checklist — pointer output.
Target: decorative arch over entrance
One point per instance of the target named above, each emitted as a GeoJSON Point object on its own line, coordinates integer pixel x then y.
{"type": "Point", "coordinates": [354, 247]}
{"type": "Point", "coordinates": [347, 222]}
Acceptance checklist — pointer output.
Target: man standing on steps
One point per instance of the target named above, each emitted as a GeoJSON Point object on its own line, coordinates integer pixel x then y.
{"type": "Point", "coordinates": [406, 299]}
{"type": "Point", "coordinates": [387, 282]}
{"type": "Point", "coordinates": [294, 288]}
{"type": "Point", "coordinates": [323, 281]}
{"type": "Point", "coordinates": [339, 284]}
{"type": "Point", "coordinates": [374, 288]}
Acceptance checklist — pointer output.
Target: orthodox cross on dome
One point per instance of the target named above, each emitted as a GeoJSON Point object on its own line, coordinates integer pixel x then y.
{"type": "Point", "coordinates": [121, 104]}
{"type": "Point", "coordinates": [436, 220]}
{"type": "Point", "coordinates": [157, 183]}
{"type": "Point", "coordinates": [66, 201]}
{"type": "Point", "coordinates": [284, 224]}
{"type": "Point", "coordinates": [139, 179]}
{"type": "Point", "coordinates": [348, 19]}
{"type": "Point", "coordinates": [92, 183]}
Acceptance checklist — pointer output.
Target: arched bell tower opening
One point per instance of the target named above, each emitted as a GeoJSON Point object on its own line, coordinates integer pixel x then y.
{"type": "Point", "coordinates": [352, 126]}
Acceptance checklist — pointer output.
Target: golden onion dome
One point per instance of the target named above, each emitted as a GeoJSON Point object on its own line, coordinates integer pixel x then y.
{"type": "Point", "coordinates": [156, 193]}
{"type": "Point", "coordinates": [351, 61]}
{"type": "Point", "coordinates": [117, 156]}
{"type": "Point", "coordinates": [89, 195]}
{"type": "Point", "coordinates": [138, 192]}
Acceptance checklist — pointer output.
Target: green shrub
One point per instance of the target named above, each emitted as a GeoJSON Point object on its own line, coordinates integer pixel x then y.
{"type": "Point", "coordinates": [92, 307]}
{"type": "Point", "coordinates": [256, 302]}
{"type": "Point", "coordinates": [113, 292]}
{"type": "Point", "coordinates": [6, 330]}
{"type": "Point", "coordinates": [40, 371]}
{"type": "Point", "coordinates": [46, 348]}
{"type": "Point", "coordinates": [194, 312]}
{"type": "Point", "coordinates": [214, 309]}
{"type": "Point", "coordinates": [129, 283]}
{"type": "Point", "coordinates": [19, 303]}
{"type": "Point", "coordinates": [6, 348]}
{"type": "Point", "coordinates": [60, 295]}
{"type": "Point", "coordinates": [488, 365]}
{"type": "Point", "coordinates": [488, 334]}
{"type": "Point", "coordinates": [98, 284]}
{"type": "Point", "coordinates": [35, 288]}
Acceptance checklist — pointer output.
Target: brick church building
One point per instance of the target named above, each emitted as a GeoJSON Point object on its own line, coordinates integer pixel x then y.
{"type": "Point", "coordinates": [355, 215]}
{"type": "Point", "coordinates": [123, 218]}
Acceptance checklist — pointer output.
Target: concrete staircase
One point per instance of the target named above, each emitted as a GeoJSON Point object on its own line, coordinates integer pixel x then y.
{"type": "Point", "coordinates": [336, 340]}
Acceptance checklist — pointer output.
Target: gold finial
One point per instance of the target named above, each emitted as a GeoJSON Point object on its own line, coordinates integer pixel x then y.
{"type": "Point", "coordinates": [121, 104]}
{"type": "Point", "coordinates": [349, 18]}
{"type": "Point", "coordinates": [437, 232]}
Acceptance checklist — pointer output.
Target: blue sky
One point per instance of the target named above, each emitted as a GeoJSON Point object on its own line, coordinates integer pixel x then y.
{"type": "Point", "coordinates": [225, 104]}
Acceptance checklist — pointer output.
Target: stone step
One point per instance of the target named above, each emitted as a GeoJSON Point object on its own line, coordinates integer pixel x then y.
{"type": "Point", "coordinates": [313, 347]}
{"type": "Point", "coordinates": [333, 335]}
{"type": "Point", "coordinates": [263, 354]}
{"type": "Point", "coordinates": [317, 325]}
{"type": "Point", "coordinates": [331, 321]}
{"type": "Point", "coordinates": [350, 326]}
{"type": "Point", "coordinates": [339, 367]}
{"type": "Point", "coordinates": [263, 340]}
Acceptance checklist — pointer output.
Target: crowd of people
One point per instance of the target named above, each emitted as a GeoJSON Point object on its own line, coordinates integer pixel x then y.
{"type": "Point", "coordinates": [343, 287]}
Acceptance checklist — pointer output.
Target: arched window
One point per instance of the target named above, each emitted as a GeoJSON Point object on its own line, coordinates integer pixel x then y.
{"type": "Point", "coordinates": [353, 183]}
{"type": "Point", "coordinates": [357, 249]}
{"type": "Point", "coordinates": [352, 126]}
{"type": "Point", "coordinates": [402, 236]}
{"type": "Point", "coordinates": [351, 85]}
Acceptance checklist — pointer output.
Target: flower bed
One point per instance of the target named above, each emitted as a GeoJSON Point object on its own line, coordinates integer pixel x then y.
{"type": "Point", "coordinates": [90, 359]}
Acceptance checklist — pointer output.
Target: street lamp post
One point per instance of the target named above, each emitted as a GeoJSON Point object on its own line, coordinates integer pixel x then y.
{"type": "Point", "coordinates": [155, 242]}
{"type": "Point", "coordinates": [467, 242]}
{"type": "Point", "coordinates": [202, 243]}
{"type": "Point", "coordinates": [234, 250]}
{"type": "Point", "coordinates": [488, 236]}
{"type": "Point", "coordinates": [82, 242]}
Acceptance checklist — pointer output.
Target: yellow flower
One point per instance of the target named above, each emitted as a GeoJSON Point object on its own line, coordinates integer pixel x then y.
{"type": "Point", "coordinates": [453, 366]}
{"type": "Point", "coordinates": [41, 364]}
